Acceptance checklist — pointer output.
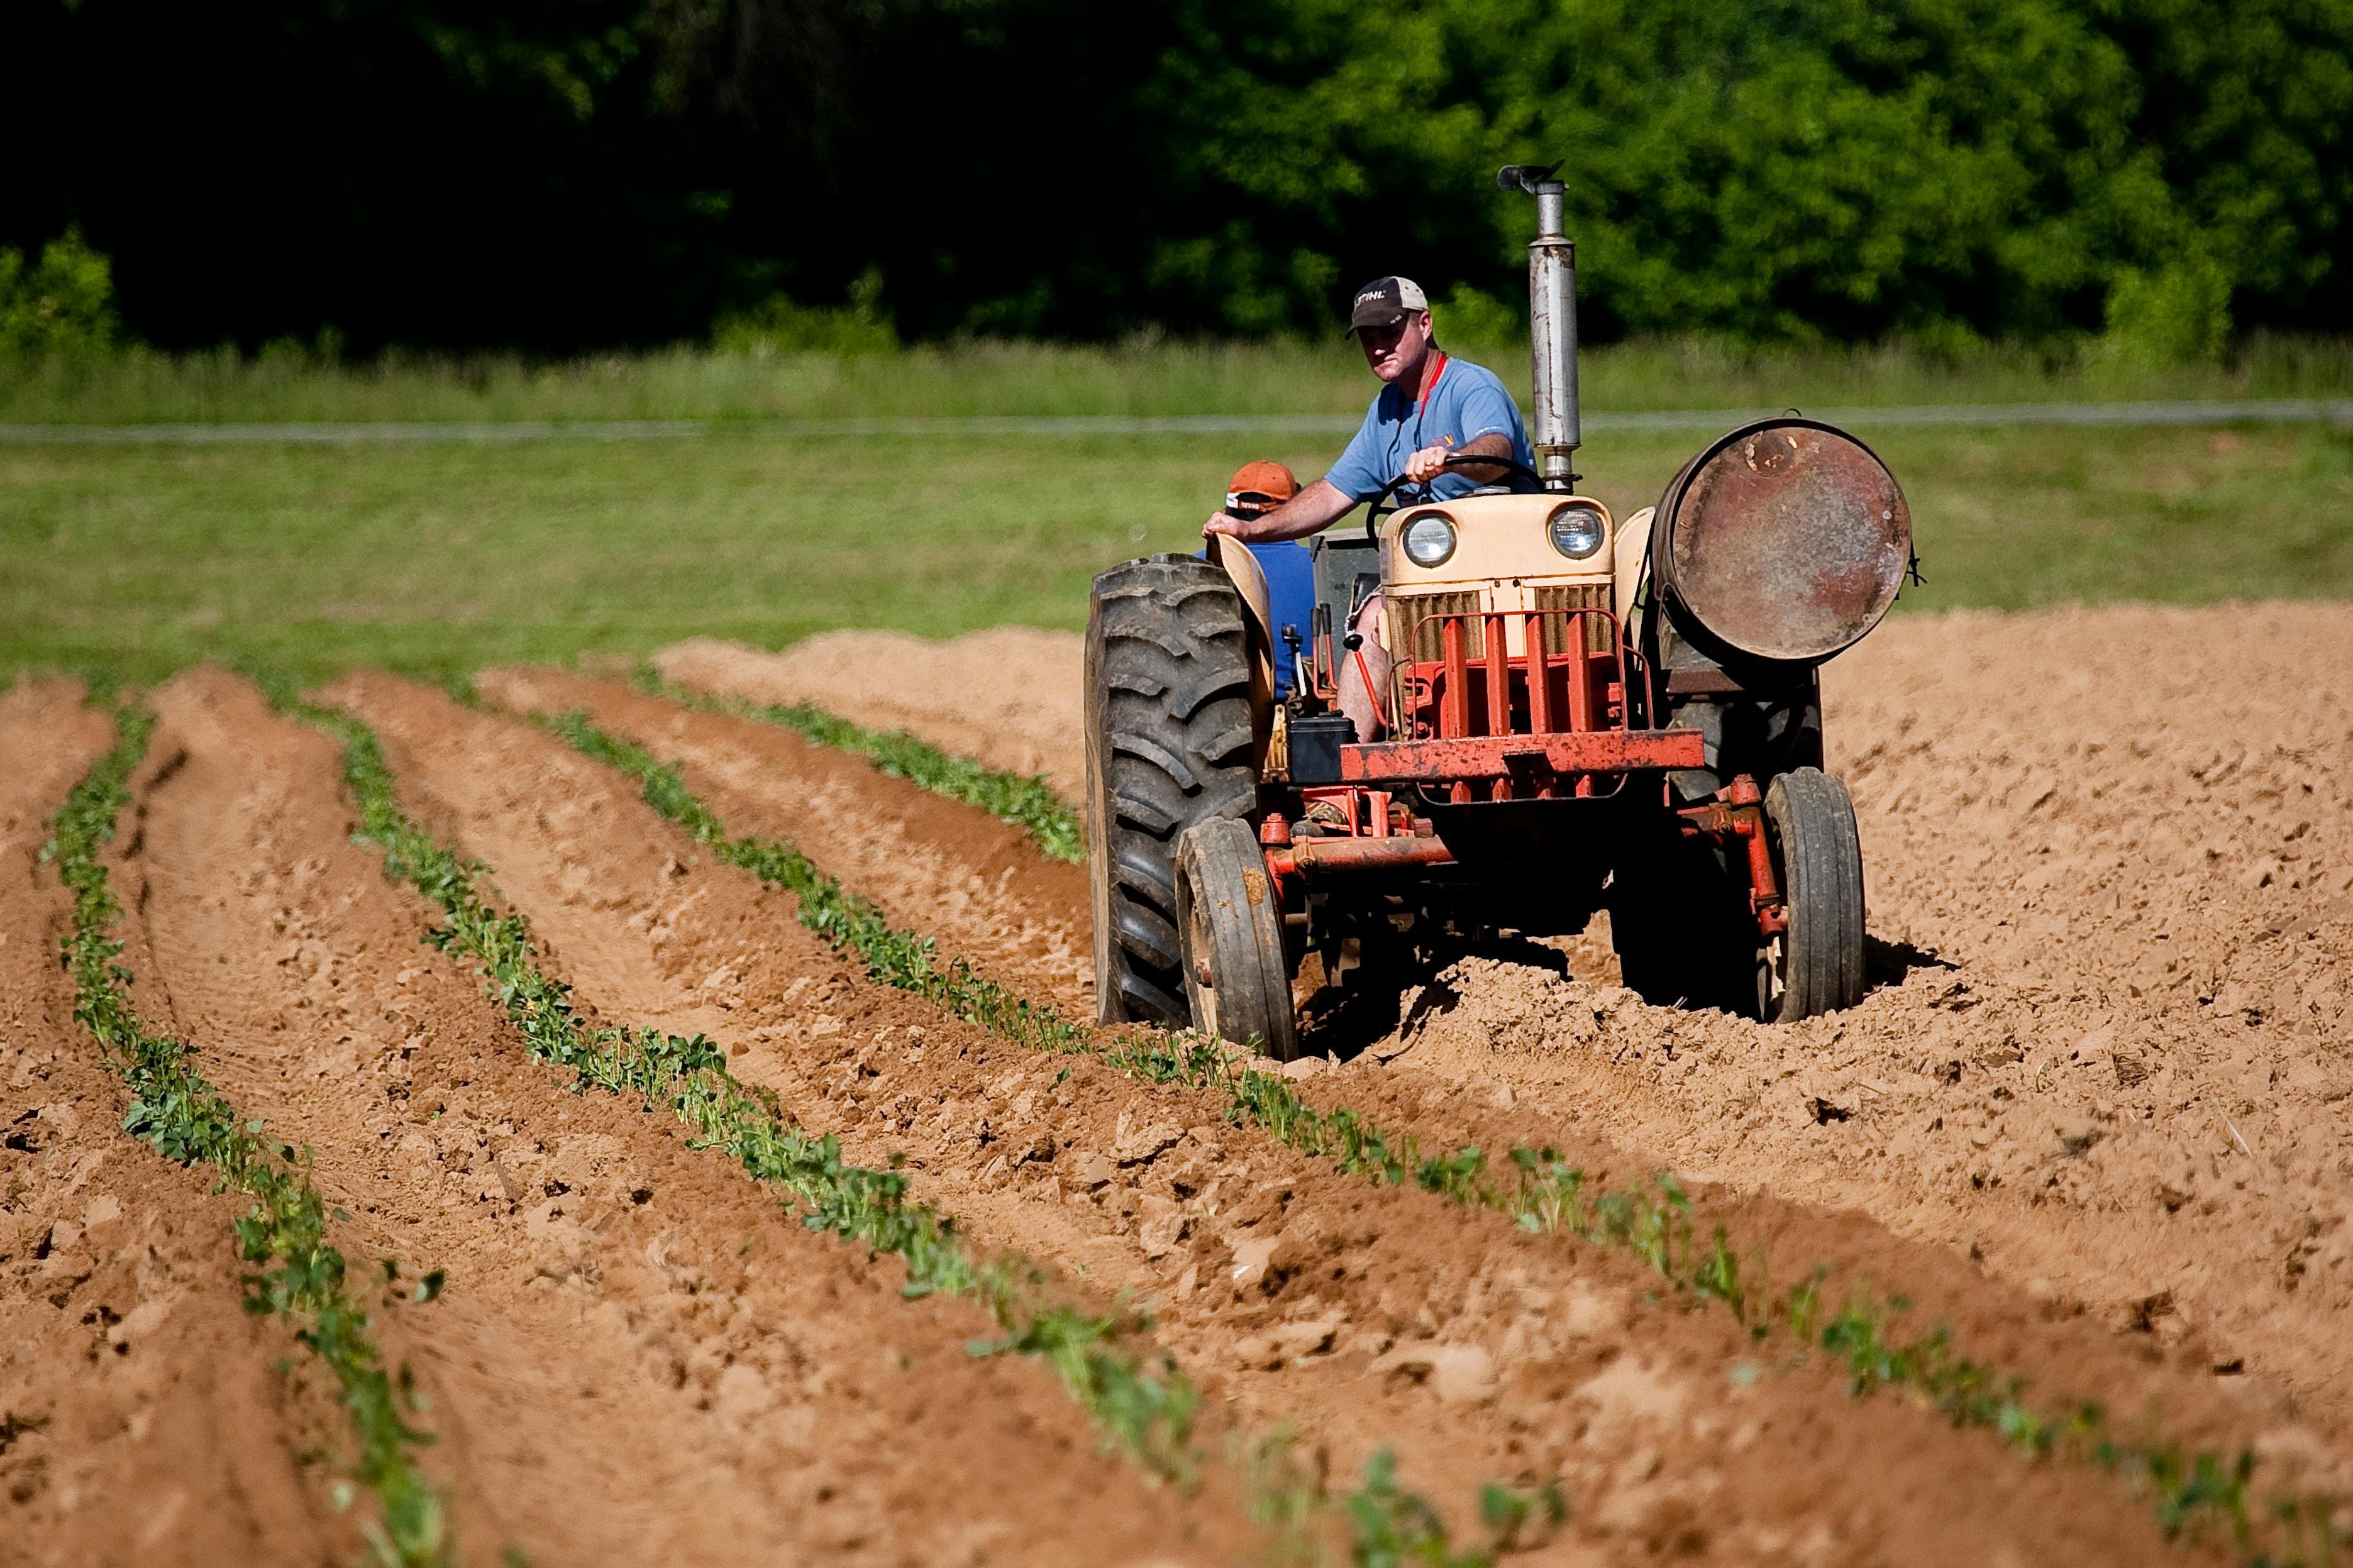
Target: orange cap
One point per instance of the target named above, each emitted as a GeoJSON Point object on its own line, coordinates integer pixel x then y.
{"type": "Point", "coordinates": [1272, 481]}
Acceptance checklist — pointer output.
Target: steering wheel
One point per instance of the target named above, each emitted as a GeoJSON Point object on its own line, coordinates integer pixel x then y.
{"type": "Point", "coordinates": [1381, 497]}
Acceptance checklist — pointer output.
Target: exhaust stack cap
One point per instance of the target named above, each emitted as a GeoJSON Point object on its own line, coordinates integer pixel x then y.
{"type": "Point", "coordinates": [1552, 323]}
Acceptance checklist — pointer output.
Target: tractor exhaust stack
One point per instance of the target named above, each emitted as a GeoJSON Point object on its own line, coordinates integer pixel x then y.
{"type": "Point", "coordinates": [1552, 323]}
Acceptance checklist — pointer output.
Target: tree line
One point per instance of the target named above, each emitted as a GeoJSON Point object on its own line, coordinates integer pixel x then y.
{"type": "Point", "coordinates": [564, 175]}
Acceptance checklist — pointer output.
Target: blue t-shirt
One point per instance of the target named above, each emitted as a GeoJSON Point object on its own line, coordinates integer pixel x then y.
{"type": "Point", "coordinates": [1468, 402]}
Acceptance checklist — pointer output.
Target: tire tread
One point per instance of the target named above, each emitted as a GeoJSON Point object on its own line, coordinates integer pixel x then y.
{"type": "Point", "coordinates": [1821, 853]}
{"type": "Point", "coordinates": [1168, 746]}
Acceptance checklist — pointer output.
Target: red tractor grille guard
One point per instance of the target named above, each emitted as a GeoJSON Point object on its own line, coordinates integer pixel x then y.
{"type": "Point", "coordinates": [1542, 726]}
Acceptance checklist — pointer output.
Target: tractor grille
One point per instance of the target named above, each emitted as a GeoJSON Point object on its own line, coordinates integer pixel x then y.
{"type": "Point", "coordinates": [1414, 624]}
{"type": "Point", "coordinates": [1599, 638]}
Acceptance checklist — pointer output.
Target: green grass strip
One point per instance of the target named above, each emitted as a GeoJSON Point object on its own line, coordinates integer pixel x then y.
{"type": "Point", "coordinates": [302, 1277]}
{"type": "Point", "coordinates": [2192, 1490]}
{"type": "Point", "coordinates": [1029, 802]}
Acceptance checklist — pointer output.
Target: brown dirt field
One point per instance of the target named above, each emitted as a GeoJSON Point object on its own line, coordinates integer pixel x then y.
{"type": "Point", "coordinates": [1360, 1316]}
{"type": "Point", "coordinates": [129, 1368]}
{"type": "Point", "coordinates": [2108, 1061]}
{"type": "Point", "coordinates": [2118, 1070]}
{"type": "Point", "coordinates": [1005, 696]}
{"type": "Point", "coordinates": [2094, 1118]}
{"type": "Point", "coordinates": [640, 1356]}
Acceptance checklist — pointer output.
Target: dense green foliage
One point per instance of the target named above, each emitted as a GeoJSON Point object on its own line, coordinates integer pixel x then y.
{"type": "Point", "coordinates": [58, 306]}
{"type": "Point", "coordinates": [607, 171]}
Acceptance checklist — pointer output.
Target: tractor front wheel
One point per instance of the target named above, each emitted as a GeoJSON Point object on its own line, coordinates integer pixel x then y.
{"type": "Point", "coordinates": [1236, 976]}
{"type": "Point", "coordinates": [1816, 965]}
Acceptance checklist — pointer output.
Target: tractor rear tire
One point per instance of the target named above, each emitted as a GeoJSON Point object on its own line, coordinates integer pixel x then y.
{"type": "Point", "coordinates": [1237, 978]}
{"type": "Point", "coordinates": [1817, 966]}
{"type": "Point", "coordinates": [1168, 746]}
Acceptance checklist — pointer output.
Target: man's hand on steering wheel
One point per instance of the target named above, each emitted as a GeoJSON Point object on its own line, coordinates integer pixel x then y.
{"type": "Point", "coordinates": [1379, 504]}
{"type": "Point", "coordinates": [1433, 460]}
{"type": "Point", "coordinates": [1427, 464]}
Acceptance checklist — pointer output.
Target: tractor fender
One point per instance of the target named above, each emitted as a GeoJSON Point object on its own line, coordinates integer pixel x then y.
{"type": "Point", "coordinates": [1241, 568]}
{"type": "Point", "coordinates": [1629, 560]}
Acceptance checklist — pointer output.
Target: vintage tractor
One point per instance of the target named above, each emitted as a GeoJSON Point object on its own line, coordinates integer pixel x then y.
{"type": "Point", "coordinates": [1582, 714]}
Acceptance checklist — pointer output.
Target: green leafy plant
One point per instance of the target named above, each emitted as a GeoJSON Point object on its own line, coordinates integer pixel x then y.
{"type": "Point", "coordinates": [2176, 314]}
{"type": "Point", "coordinates": [301, 1278]}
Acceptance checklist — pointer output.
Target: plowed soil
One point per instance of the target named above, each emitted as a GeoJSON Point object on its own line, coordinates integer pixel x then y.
{"type": "Point", "coordinates": [2106, 1063]}
{"type": "Point", "coordinates": [2091, 1117]}
{"type": "Point", "coordinates": [979, 885]}
{"type": "Point", "coordinates": [639, 1356]}
{"type": "Point", "coordinates": [1416, 1330]}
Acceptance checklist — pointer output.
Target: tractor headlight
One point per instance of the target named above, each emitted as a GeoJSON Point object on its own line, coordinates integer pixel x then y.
{"type": "Point", "coordinates": [1429, 539]}
{"type": "Point", "coordinates": [1577, 531]}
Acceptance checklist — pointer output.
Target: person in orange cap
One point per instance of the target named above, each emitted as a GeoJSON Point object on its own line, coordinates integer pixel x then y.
{"type": "Point", "coordinates": [1257, 489]}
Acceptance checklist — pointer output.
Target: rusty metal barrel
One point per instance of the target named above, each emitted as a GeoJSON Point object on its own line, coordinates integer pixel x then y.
{"type": "Point", "coordinates": [1785, 540]}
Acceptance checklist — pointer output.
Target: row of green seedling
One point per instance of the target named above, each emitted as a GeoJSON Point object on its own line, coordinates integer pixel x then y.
{"type": "Point", "coordinates": [300, 1279]}
{"type": "Point", "coordinates": [1147, 1411]}
{"type": "Point", "coordinates": [2192, 1490]}
{"type": "Point", "coordinates": [1027, 801]}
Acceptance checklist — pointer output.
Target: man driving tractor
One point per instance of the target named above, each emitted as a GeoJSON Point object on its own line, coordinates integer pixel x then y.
{"type": "Point", "coordinates": [1584, 712]}
{"type": "Point", "coordinates": [1430, 407]}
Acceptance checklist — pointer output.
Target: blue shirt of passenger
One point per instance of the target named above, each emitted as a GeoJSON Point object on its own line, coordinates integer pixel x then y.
{"type": "Point", "coordinates": [1465, 402]}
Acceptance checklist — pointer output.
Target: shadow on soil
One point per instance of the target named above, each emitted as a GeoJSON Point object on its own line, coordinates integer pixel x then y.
{"type": "Point", "coordinates": [1350, 1018]}
{"type": "Point", "coordinates": [1886, 964]}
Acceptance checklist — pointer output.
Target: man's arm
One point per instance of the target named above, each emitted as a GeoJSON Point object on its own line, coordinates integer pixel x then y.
{"type": "Point", "coordinates": [1431, 461]}
{"type": "Point", "coordinates": [1313, 509]}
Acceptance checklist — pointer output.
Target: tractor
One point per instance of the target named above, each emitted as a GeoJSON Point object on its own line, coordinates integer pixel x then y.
{"type": "Point", "coordinates": [1583, 713]}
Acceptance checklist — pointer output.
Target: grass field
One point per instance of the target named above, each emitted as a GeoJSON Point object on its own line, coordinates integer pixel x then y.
{"type": "Point", "coordinates": [1142, 378]}
{"type": "Point", "coordinates": [436, 558]}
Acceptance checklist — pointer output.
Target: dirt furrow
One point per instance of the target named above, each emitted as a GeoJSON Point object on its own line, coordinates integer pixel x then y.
{"type": "Point", "coordinates": [1001, 696]}
{"type": "Point", "coordinates": [639, 1355]}
{"type": "Point", "coordinates": [129, 1368]}
{"type": "Point", "coordinates": [976, 883]}
{"type": "Point", "coordinates": [1364, 1315]}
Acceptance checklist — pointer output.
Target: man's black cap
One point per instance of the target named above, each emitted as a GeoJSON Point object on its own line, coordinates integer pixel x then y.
{"type": "Point", "coordinates": [1384, 302]}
